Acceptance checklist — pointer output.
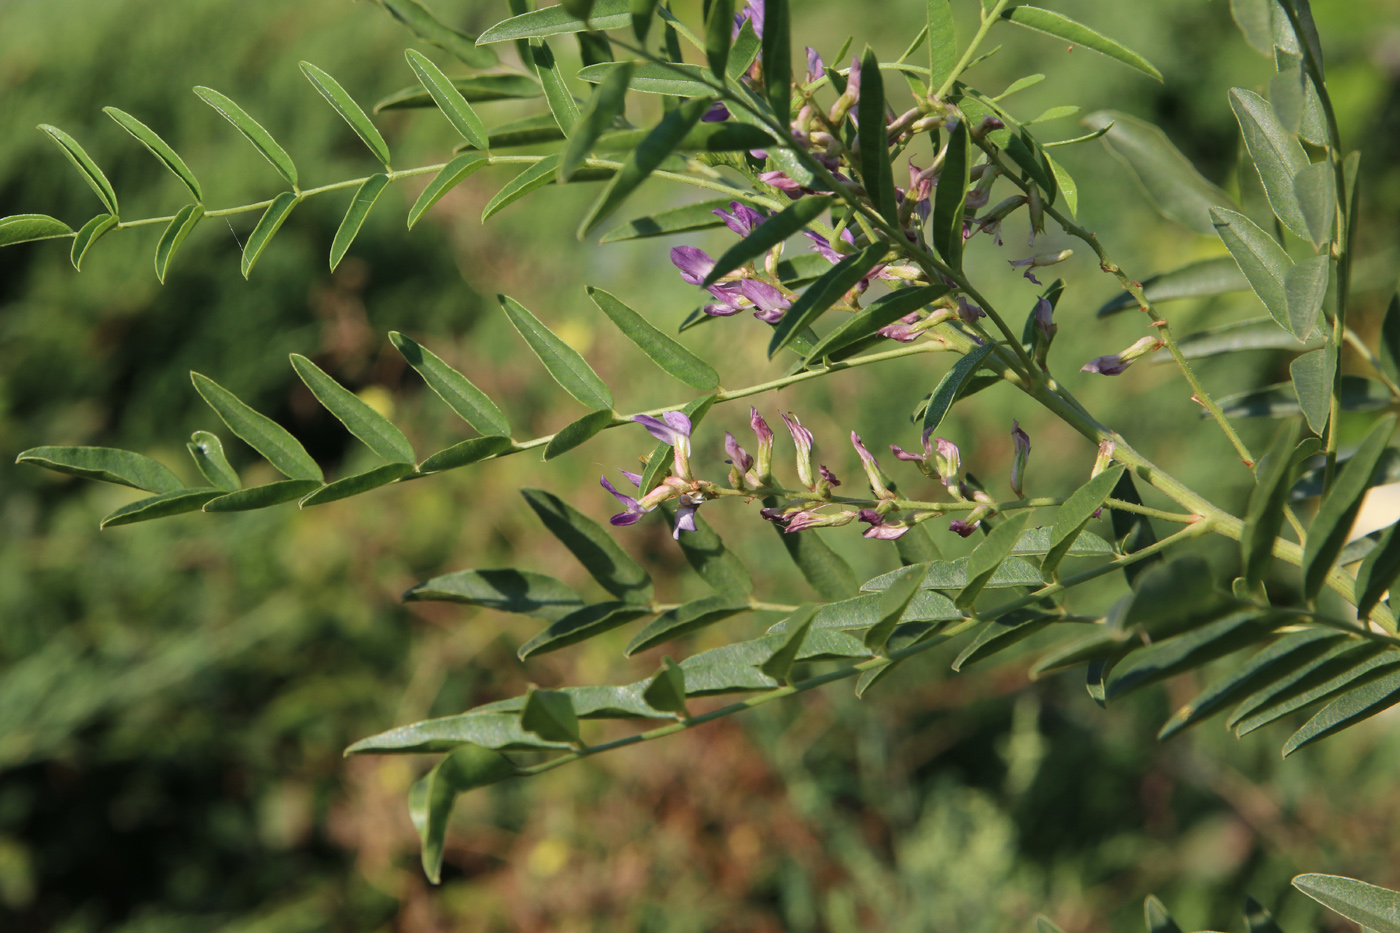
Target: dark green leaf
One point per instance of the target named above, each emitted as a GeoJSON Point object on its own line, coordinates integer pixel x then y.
{"type": "Point", "coordinates": [107, 464]}
{"type": "Point", "coordinates": [603, 107]}
{"type": "Point", "coordinates": [85, 166]}
{"type": "Point", "coordinates": [710, 559]}
{"type": "Point", "coordinates": [1276, 153]}
{"type": "Point", "coordinates": [667, 689]}
{"type": "Point", "coordinates": [1163, 659]}
{"type": "Point", "coordinates": [25, 228]}
{"type": "Point", "coordinates": [779, 663]}
{"type": "Point", "coordinates": [642, 12]}
{"type": "Point", "coordinates": [1001, 633]}
{"type": "Point", "coordinates": [1305, 289]}
{"type": "Point", "coordinates": [576, 432]}
{"type": "Point", "coordinates": [564, 363]}
{"type": "Point", "coordinates": [561, 100]}
{"type": "Point", "coordinates": [1062, 27]}
{"type": "Point", "coordinates": [261, 497]}
{"type": "Point", "coordinates": [673, 358]}
{"type": "Point", "coordinates": [431, 798]}
{"type": "Point", "coordinates": [777, 58]}
{"type": "Point", "coordinates": [1364, 667]}
{"type": "Point", "coordinates": [449, 100]}
{"type": "Point", "coordinates": [950, 197]}
{"type": "Point", "coordinates": [1098, 646]}
{"type": "Point", "coordinates": [952, 575]}
{"type": "Point", "coordinates": [253, 131]}
{"type": "Point", "coordinates": [258, 431]}
{"type": "Point", "coordinates": [1294, 98]}
{"type": "Point", "coordinates": [1280, 401]}
{"type": "Point", "coordinates": [671, 79]}
{"type": "Point", "coordinates": [1376, 909]}
{"type": "Point", "coordinates": [469, 402]}
{"type": "Point", "coordinates": [550, 715]}
{"type": "Point", "coordinates": [350, 111]}
{"type": "Point", "coordinates": [823, 293]}
{"type": "Point", "coordinates": [942, 43]}
{"type": "Point", "coordinates": [1132, 531]}
{"type": "Point", "coordinates": [893, 602]}
{"type": "Point", "coordinates": [444, 181]}
{"type": "Point", "coordinates": [1264, 517]}
{"type": "Point", "coordinates": [802, 269]}
{"type": "Point", "coordinates": [1264, 263]}
{"type": "Point", "coordinates": [1313, 375]}
{"type": "Point", "coordinates": [158, 148]}
{"type": "Point", "coordinates": [582, 624]}
{"type": "Point", "coordinates": [268, 224]}
{"type": "Point", "coordinates": [353, 485]}
{"type": "Point", "coordinates": [787, 222]}
{"type": "Point", "coordinates": [161, 506]}
{"type": "Point", "coordinates": [1338, 510]}
{"type": "Point", "coordinates": [1338, 654]}
{"type": "Point", "coordinates": [90, 233]}
{"type": "Point", "coordinates": [580, 8]}
{"type": "Point", "coordinates": [983, 562]}
{"type": "Point", "coordinates": [1200, 279]}
{"type": "Point", "coordinates": [952, 385]}
{"type": "Point", "coordinates": [873, 142]}
{"type": "Point", "coordinates": [520, 591]}
{"type": "Point", "coordinates": [1378, 572]}
{"type": "Point", "coordinates": [532, 179]}
{"type": "Point", "coordinates": [422, 23]}
{"type": "Point", "coordinates": [355, 216]}
{"type": "Point", "coordinates": [1170, 180]}
{"type": "Point", "coordinates": [698, 216]}
{"type": "Point", "coordinates": [1315, 191]}
{"type": "Point", "coordinates": [208, 453]}
{"type": "Point", "coordinates": [1346, 711]}
{"type": "Point", "coordinates": [1074, 516]}
{"type": "Point", "coordinates": [179, 227]}
{"type": "Point", "coordinates": [474, 88]}
{"type": "Point", "coordinates": [684, 619]}
{"type": "Point", "coordinates": [1170, 598]}
{"type": "Point", "coordinates": [618, 573]}
{"type": "Point", "coordinates": [882, 313]}
{"type": "Point", "coordinates": [719, 29]}
{"type": "Point", "coordinates": [555, 20]}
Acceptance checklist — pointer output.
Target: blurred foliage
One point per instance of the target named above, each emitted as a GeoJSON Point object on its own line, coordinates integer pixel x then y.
{"type": "Point", "coordinates": [174, 696]}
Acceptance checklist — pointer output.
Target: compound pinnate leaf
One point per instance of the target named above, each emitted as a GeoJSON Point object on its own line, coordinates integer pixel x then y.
{"type": "Point", "coordinates": [556, 20]}
{"type": "Point", "coordinates": [158, 148]}
{"type": "Point", "coordinates": [578, 431]}
{"type": "Point", "coordinates": [673, 358]}
{"type": "Point", "coordinates": [444, 181]}
{"type": "Point", "coordinates": [582, 624]}
{"type": "Point", "coordinates": [786, 223]}
{"type": "Point", "coordinates": [164, 505]}
{"type": "Point", "coordinates": [360, 206]}
{"type": "Point", "coordinates": [421, 21]}
{"type": "Point", "coordinates": [1338, 510]}
{"type": "Point", "coordinates": [87, 235]}
{"type": "Point", "coordinates": [469, 402]}
{"type": "Point", "coordinates": [1347, 710]}
{"type": "Point", "coordinates": [611, 566]}
{"type": "Point", "coordinates": [25, 228]}
{"type": "Point", "coordinates": [258, 431]}
{"type": "Point", "coordinates": [253, 131]}
{"type": "Point", "coordinates": [350, 111]}
{"type": "Point", "coordinates": [1373, 907]}
{"type": "Point", "coordinates": [180, 227]}
{"type": "Point", "coordinates": [268, 224]}
{"type": "Point", "coordinates": [952, 385]}
{"type": "Point", "coordinates": [375, 431]}
{"type": "Point", "coordinates": [983, 562]}
{"type": "Point", "coordinates": [564, 363]}
{"type": "Point", "coordinates": [207, 452]}
{"type": "Point", "coordinates": [122, 467]}
{"type": "Point", "coordinates": [431, 798]}
{"type": "Point", "coordinates": [357, 483]}
{"type": "Point", "coordinates": [509, 590]}
{"type": "Point", "coordinates": [449, 100]}
{"type": "Point", "coordinates": [84, 164]}
{"type": "Point", "coordinates": [1264, 516]}
{"type": "Point", "coordinates": [1074, 516]}
{"type": "Point", "coordinates": [1062, 27]}
{"type": "Point", "coordinates": [684, 619]}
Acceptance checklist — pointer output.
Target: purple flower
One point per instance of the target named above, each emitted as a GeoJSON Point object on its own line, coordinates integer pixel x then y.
{"type": "Point", "coordinates": [693, 262]}
{"type": "Point", "coordinates": [753, 12]}
{"type": "Point", "coordinates": [741, 218]}
{"type": "Point", "coordinates": [901, 454]}
{"type": "Point", "coordinates": [717, 113]}
{"type": "Point", "coordinates": [815, 67]}
{"type": "Point", "coordinates": [968, 311]}
{"type": "Point", "coordinates": [823, 245]}
{"type": "Point", "coordinates": [764, 436]}
{"type": "Point", "coordinates": [737, 455]}
{"type": "Point", "coordinates": [634, 510]}
{"type": "Point", "coordinates": [769, 301]}
{"type": "Point", "coordinates": [1115, 363]}
{"type": "Point", "coordinates": [827, 476]}
{"type": "Point", "coordinates": [803, 439]}
{"type": "Point", "coordinates": [964, 529]}
{"type": "Point", "coordinates": [1021, 442]}
{"type": "Point", "coordinates": [685, 513]}
{"type": "Point", "coordinates": [879, 529]}
{"type": "Point", "coordinates": [872, 468]}
{"type": "Point", "coordinates": [903, 330]}
{"type": "Point", "coordinates": [634, 478]}
{"type": "Point", "coordinates": [783, 183]}
{"type": "Point", "coordinates": [673, 427]}
{"type": "Point", "coordinates": [948, 461]}
{"type": "Point", "coordinates": [730, 300]}
{"type": "Point", "coordinates": [853, 81]}
{"type": "Point", "coordinates": [1040, 259]}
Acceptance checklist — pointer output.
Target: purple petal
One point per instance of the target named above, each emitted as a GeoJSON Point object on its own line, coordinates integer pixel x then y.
{"type": "Point", "coordinates": [678, 421]}
{"type": "Point", "coordinates": [816, 68]}
{"type": "Point", "coordinates": [685, 520]}
{"type": "Point", "coordinates": [662, 430]}
{"type": "Point", "coordinates": [693, 262]}
{"type": "Point", "coordinates": [885, 532]}
{"type": "Point", "coordinates": [1105, 365]}
{"type": "Point", "coordinates": [737, 455]}
{"type": "Point", "coordinates": [962, 528]}
{"type": "Point", "coordinates": [827, 475]}
{"type": "Point", "coordinates": [717, 113]}
{"type": "Point", "coordinates": [634, 478]}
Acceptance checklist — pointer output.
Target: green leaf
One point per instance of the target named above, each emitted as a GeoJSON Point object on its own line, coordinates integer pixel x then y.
{"type": "Point", "coordinates": [744, 52]}
{"type": "Point", "coordinates": [1068, 188]}
{"type": "Point", "coordinates": [1101, 645]}
{"type": "Point", "coordinates": [122, 467]}
{"type": "Point", "coordinates": [1062, 27]}
{"type": "Point", "coordinates": [893, 602]}
{"type": "Point", "coordinates": [444, 181]}
{"type": "Point", "coordinates": [253, 131]}
{"type": "Point", "coordinates": [659, 143]}
{"type": "Point", "coordinates": [353, 485]}
{"type": "Point", "coordinates": [467, 452]}
{"type": "Point", "coordinates": [577, 432]}
{"type": "Point", "coordinates": [25, 228]}
{"type": "Point", "coordinates": [1053, 113]}
{"type": "Point", "coordinates": [158, 148]}
{"type": "Point", "coordinates": [1346, 711]}
{"type": "Point", "coordinates": [449, 100]}
{"type": "Point", "coordinates": [1157, 918]}
{"type": "Point", "coordinates": [1200, 279]}
{"type": "Point", "coordinates": [779, 663]}
{"type": "Point", "coordinates": [719, 29]}
{"type": "Point", "coordinates": [510, 590]}
{"type": "Point", "coordinates": [1132, 531]}
{"type": "Point", "coordinates": [1374, 908]}
{"type": "Point", "coordinates": [579, 8]}
{"type": "Point", "coordinates": [1276, 153]}
{"type": "Point", "coordinates": [1171, 656]}
{"type": "Point", "coordinates": [942, 43]}
{"type": "Point", "coordinates": [261, 497]}
{"type": "Point", "coordinates": [1313, 375]}
{"type": "Point", "coordinates": [667, 689]}
{"type": "Point", "coordinates": [375, 431]}
{"type": "Point", "coordinates": [268, 224]}
{"type": "Point", "coordinates": [884, 312]}
{"type": "Point", "coordinates": [1338, 654]}
{"type": "Point", "coordinates": [556, 92]}
{"type": "Point", "coordinates": [789, 221]}
{"type": "Point", "coordinates": [872, 139]}
{"type": "Point", "coordinates": [180, 227]}
{"type": "Point", "coordinates": [824, 570]}
{"type": "Point", "coordinates": [641, 14]}
{"type": "Point", "coordinates": [673, 79]}
{"type": "Point", "coordinates": [950, 387]}
{"type": "Point", "coordinates": [588, 541]}
{"type": "Point", "coordinates": [952, 575]}
{"type": "Point", "coordinates": [1378, 572]}
{"type": "Point", "coordinates": [555, 20]}
{"type": "Point", "coordinates": [1253, 334]}
{"type": "Point", "coordinates": [703, 137]}
{"type": "Point", "coordinates": [208, 453]}
{"type": "Point", "coordinates": [1074, 516]}
{"type": "Point", "coordinates": [486, 727]}
{"type": "Point", "coordinates": [1264, 517]}
{"type": "Point", "coordinates": [1170, 598]}
{"type": "Point", "coordinates": [777, 58]}
{"type": "Point", "coordinates": [258, 431]}
{"type": "Point", "coordinates": [1256, 21]}
{"type": "Point", "coordinates": [1295, 101]}
{"type": "Point", "coordinates": [603, 107]}
{"type": "Point", "coordinates": [162, 506]}
{"type": "Point", "coordinates": [684, 619]}
{"type": "Point", "coordinates": [90, 233]}
{"type": "Point", "coordinates": [423, 24]}
{"type": "Point", "coordinates": [983, 562]}
{"type": "Point", "coordinates": [698, 216]}
{"type": "Point", "coordinates": [1264, 263]}
{"type": "Point", "coordinates": [1358, 668]}
{"type": "Point", "coordinates": [1280, 401]}
{"type": "Point", "coordinates": [1258, 919]}
{"type": "Point", "coordinates": [470, 403]}
{"type": "Point", "coordinates": [350, 111]}
{"type": "Point", "coordinates": [1338, 510]}
{"type": "Point", "coordinates": [582, 624]}
{"type": "Point", "coordinates": [950, 197]}
{"type": "Point", "coordinates": [1170, 181]}
{"type": "Point", "coordinates": [360, 206]}
{"type": "Point", "coordinates": [474, 88]}
{"type": "Point", "coordinates": [532, 179]}
{"type": "Point", "coordinates": [84, 164]}
{"type": "Point", "coordinates": [823, 293]}
{"type": "Point", "coordinates": [1389, 344]}
{"type": "Point", "coordinates": [673, 358]}
{"type": "Point", "coordinates": [1316, 195]}
{"type": "Point", "coordinates": [564, 363]}
{"type": "Point", "coordinates": [710, 559]}
{"type": "Point", "coordinates": [1001, 633]}
{"type": "Point", "coordinates": [431, 798]}
{"type": "Point", "coordinates": [550, 715]}
{"type": "Point", "coordinates": [1305, 289]}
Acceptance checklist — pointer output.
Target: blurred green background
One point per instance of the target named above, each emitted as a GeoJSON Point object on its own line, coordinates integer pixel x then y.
{"type": "Point", "coordinates": [175, 696]}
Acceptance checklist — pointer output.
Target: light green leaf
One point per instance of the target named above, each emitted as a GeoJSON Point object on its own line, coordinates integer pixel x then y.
{"type": "Point", "coordinates": [162, 506]}
{"type": "Point", "coordinates": [90, 233]}
{"type": "Point", "coordinates": [1020, 84]}
{"type": "Point", "coordinates": [673, 79]}
{"type": "Point", "coordinates": [1294, 99]}
{"type": "Point", "coordinates": [470, 403]}
{"type": "Point", "coordinates": [659, 143]}
{"type": "Point", "coordinates": [1378, 572]}
{"type": "Point", "coordinates": [353, 485]}
{"type": "Point", "coordinates": [449, 100]}
{"type": "Point", "coordinates": [582, 624]}
{"type": "Point", "coordinates": [577, 432]}
{"type": "Point", "coordinates": [887, 310]}
{"type": "Point", "coordinates": [786, 223]}
{"type": "Point", "coordinates": [84, 164]}
{"type": "Point", "coordinates": [208, 453]}
{"type": "Point", "coordinates": [1264, 263]}
{"type": "Point", "coordinates": [607, 102]}
{"type": "Point", "coordinates": [475, 89]}
{"type": "Point", "coordinates": [667, 689]}
{"type": "Point", "coordinates": [1276, 153]}
{"type": "Point", "coordinates": [444, 181]}
{"type": "Point", "coordinates": [122, 467]}
{"type": "Point", "coordinates": [984, 560]}
{"type": "Point", "coordinates": [673, 358]}
{"type": "Point", "coordinates": [1313, 375]}
{"type": "Point", "coordinates": [375, 431]}
{"type": "Point", "coordinates": [261, 497]}
{"type": "Point", "coordinates": [180, 227]}
{"type": "Point", "coordinates": [158, 148]}
{"type": "Point", "coordinates": [560, 99]}
{"type": "Point", "coordinates": [258, 431]}
{"type": "Point", "coordinates": [1374, 908]}
{"type": "Point", "coordinates": [1170, 656]}
{"type": "Point", "coordinates": [1254, 334]}
{"type": "Point", "coordinates": [698, 216]}
{"type": "Point", "coordinates": [469, 451]}
{"type": "Point", "coordinates": [952, 385]}
{"type": "Point", "coordinates": [1264, 517]}
{"type": "Point", "coordinates": [355, 215]}
{"type": "Point", "coordinates": [591, 544]}
{"type": "Point", "coordinates": [422, 23]}
{"type": "Point", "coordinates": [1256, 21]}
{"type": "Point", "coordinates": [509, 590]}
{"type": "Point", "coordinates": [710, 559]}
{"type": "Point", "coordinates": [1040, 540]}
{"type": "Point", "coordinates": [25, 228]}
{"type": "Point", "coordinates": [779, 663]}
{"type": "Point", "coordinates": [1338, 510]}
{"type": "Point", "coordinates": [431, 798]}
{"type": "Point", "coordinates": [350, 111]}
{"type": "Point", "coordinates": [555, 20]}
{"type": "Point", "coordinates": [564, 363]}
{"type": "Point", "coordinates": [550, 715]}
{"type": "Point", "coordinates": [1068, 188]}
{"type": "Point", "coordinates": [1346, 711]}
{"type": "Point", "coordinates": [253, 131]}
{"type": "Point", "coordinates": [822, 295]}
{"type": "Point", "coordinates": [872, 139]}
{"type": "Point", "coordinates": [1062, 27]}
{"type": "Point", "coordinates": [1074, 516]}
{"type": "Point", "coordinates": [684, 619]}
{"type": "Point", "coordinates": [950, 197]}
{"type": "Point", "coordinates": [1315, 192]}
{"type": "Point", "coordinates": [1170, 181]}
{"type": "Point", "coordinates": [268, 224]}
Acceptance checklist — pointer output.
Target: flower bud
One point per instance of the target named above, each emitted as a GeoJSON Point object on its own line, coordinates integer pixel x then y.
{"type": "Point", "coordinates": [872, 468]}
{"type": "Point", "coordinates": [1022, 443]}
{"type": "Point", "coordinates": [947, 460]}
{"type": "Point", "coordinates": [803, 439]}
{"type": "Point", "coordinates": [739, 462]}
{"type": "Point", "coordinates": [810, 518]}
{"type": "Point", "coordinates": [965, 526]}
{"type": "Point", "coordinates": [880, 529]}
{"type": "Point", "coordinates": [1040, 259]}
{"type": "Point", "coordinates": [1115, 363]}
{"type": "Point", "coordinates": [763, 467]}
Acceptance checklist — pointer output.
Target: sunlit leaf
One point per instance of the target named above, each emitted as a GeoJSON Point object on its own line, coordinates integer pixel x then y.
{"type": "Point", "coordinates": [1375, 908]}
{"type": "Point", "coordinates": [952, 385]}
{"type": "Point", "coordinates": [87, 235]}
{"type": "Point", "coordinates": [555, 20]}
{"type": "Point", "coordinates": [164, 505]}
{"type": "Point", "coordinates": [431, 798]}
{"type": "Point", "coordinates": [207, 451]}
{"type": "Point", "coordinates": [1314, 188]}
{"type": "Point", "coordinates": [603, 107]}
{"type": "Point", "coordinates": [1264, 263]}
{"type": "Point", "coordinates": [180, 227]}
{"type": "Point", "coordinates": [268, 224]}
{"type": "Point", "coordinates": [469, 402]}
{"type": "Point", "coordinates": [93, 175]}
{"type": "Point", "coordinates": [264, 496]}
{"type": "Point", "coordinates": [1062, 27]}
{"type": "Point", "coordinates": [950, 197]}
{"type": "Point", "coordinates": [779, 663]}
{"type": "Point", "coordinates": [591, 544]}
{"type": "Point", "coordinates": [1074, 516]}
{"type": "Point", "coordinates": [577, 432]}
{"type": "Point", "coordinates": [253, 131]}
{"type": "Point", "coordinates": [449, 100]}
{"type": "Point", "coordinates": [673, 358]}
{"type": "Point", "coordinates": [350, 111]}
{"type": "Point", "coordinates": [988, 556]}
{"type": "Point", "coordinates": [444, 181]}
{"type": "Point", "coordinates": [25, 228]}
{"type": "Point", "coordinates": [1276, 153]}
{"type": "Point", "coordinates": [582, 624]}
{"type": "Point", "coordinates": [508, 590]}
{"type": "Point", "coordinates": [564, 363]}
{"type": "Point", "coordinates": [258, 431]}
{"type": "Point", "coordinates": [357, 483]}
{"type": "Point", "coordinates": [360, 206]}
{"type": "Point", "coordinates": [1313, 376]}
{"type": "Point", "coordinates": [684, 619]}
{"type": "Point", "coordinates": [375, 431]}
{"type": "Point", "coordinates": [158, 148]}
{"type": "Point", "coordinates": [474, 88]}
{"type": "Point", "coordinates": [123, 467]}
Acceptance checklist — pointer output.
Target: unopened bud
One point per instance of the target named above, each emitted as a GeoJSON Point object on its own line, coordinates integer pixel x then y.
{"type": "Point", "coordinates": [947, 461]}
{"type": "Point", "coordinates": [1022, 444]}
{"type": "Point", "coordinates": [872, 468]}
{"type": "Point", "coordinates": [802, 438]}
{"type": "Point", "coordinates": [763, 467]}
